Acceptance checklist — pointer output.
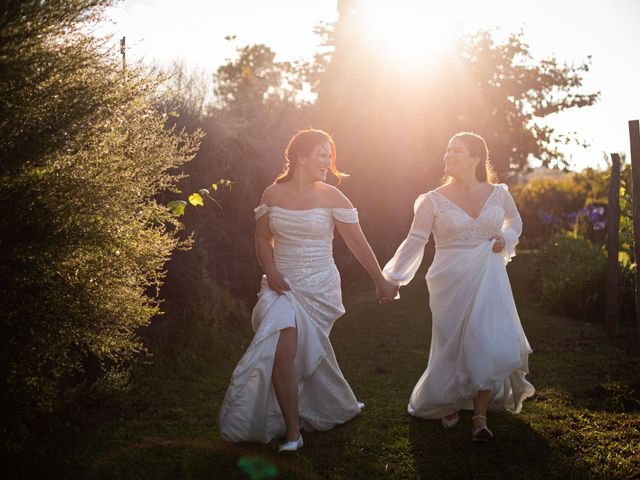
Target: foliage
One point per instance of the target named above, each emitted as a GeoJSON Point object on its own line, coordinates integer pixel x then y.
{"type": "Point", "coordinates": [573, 277]}
{"type": "Point", "coordinates": [84, 245]}
{"type": "Point", "coordinates": [576, 202]}
{"type": "Point", "coordinates": [547, 206]}
{"type": "Point", "coordinates": [516, 92]}
{"type": "Point", "coordinates": [568, 218]}
{"type": "Point", "coordinates": [626, 213]}
{"type": "Point", "coordinates": [183, 94]}
{"type": "Point", "coordinates": [197, 198]}
{"type": "Point", "coordinates": [254, 78]}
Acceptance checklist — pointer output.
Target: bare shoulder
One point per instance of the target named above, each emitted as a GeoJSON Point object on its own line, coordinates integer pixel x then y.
{"type": "Point", "coordinates": [334, 197]}
{"type": "Point", "coordinates": [271, 193]}
{"type": "Point", "coordinates": [442, 188]}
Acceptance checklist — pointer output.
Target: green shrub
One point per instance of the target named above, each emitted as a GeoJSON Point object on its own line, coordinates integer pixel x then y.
{"type": "Point", "coordinates": [550, 206]}
{"type": "Point", "coordinates": [83, 242]}
{"type": "Point", "coordinates": [573, 277]}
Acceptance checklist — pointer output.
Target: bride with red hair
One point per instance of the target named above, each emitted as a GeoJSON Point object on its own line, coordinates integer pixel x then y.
{"type": "Point", "coordinates": [289, 379]}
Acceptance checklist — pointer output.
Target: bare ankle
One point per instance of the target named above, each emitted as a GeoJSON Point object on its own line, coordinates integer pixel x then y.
{"type": "Point", "coordinates": [292, 435]}
{"type": "Point", "coordinates": [479, 420]}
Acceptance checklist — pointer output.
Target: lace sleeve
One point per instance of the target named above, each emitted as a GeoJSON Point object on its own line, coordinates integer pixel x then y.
{"type": "Point", "coordinates": [512, 225]}
{"type": "Point", "coordinates": [404, 264]}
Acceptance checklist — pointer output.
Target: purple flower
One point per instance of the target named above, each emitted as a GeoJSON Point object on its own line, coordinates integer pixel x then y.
{"type": "Point", "coordinates": [599, 225]}
{"type": "Point", "coordinates": [594, 212]}
{"type": "Point", "coordinates": [546, 217]}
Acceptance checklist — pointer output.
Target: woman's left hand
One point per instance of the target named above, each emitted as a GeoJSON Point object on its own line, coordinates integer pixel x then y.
{"type": "Point", "coordinates": [499, 245]}
{"type": "Point", "coordinates": [386, 292]}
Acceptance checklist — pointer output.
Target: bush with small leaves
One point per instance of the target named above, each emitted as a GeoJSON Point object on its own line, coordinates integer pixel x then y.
{"type": "Point", "coordinates": [84, 155]}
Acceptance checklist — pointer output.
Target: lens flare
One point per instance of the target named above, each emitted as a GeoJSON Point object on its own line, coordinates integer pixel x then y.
{"type": "Point", "coordinates": [256, 468]}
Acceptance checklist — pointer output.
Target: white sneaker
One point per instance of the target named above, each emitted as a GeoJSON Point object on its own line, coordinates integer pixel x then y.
{"type": "Point", "coordinates": [291, 446]}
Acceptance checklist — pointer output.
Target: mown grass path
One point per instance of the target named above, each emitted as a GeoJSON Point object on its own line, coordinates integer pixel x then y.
{"type": "Point", "coordinates": [584, 421]}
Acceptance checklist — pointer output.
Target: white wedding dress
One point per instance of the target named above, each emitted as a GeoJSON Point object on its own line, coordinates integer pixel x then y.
{"type": "Point", "coordinates": [303, 254]}
{"type": "Point", "coordinates": [477, 340]}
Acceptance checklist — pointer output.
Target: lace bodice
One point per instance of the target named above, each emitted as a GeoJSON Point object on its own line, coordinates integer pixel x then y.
{"type": "Point", "coordinates": [452, 227]}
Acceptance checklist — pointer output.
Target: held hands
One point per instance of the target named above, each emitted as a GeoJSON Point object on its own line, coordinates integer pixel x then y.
{"type": "Point", "coordinates": [277, 282]}
{"type": "Point", "coordinates": [500, 243]}
{"type": "Point", "coordinates": [386, 291]}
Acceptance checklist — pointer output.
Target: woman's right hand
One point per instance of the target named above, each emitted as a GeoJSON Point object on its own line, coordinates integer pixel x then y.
{"type": "Point", "coordinates": [277, 282]}
{"type": "Point", "coordinates": [386, 291]}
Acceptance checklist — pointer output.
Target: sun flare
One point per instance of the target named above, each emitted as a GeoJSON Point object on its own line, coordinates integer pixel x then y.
{"type": "Point", "coordinates": [414, 33]}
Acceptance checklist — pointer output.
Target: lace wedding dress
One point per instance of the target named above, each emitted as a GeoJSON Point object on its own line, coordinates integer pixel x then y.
{"type": "Point", "coordinates": [303, 255]}
{"type": "Point", "coordinates": [477, 340]}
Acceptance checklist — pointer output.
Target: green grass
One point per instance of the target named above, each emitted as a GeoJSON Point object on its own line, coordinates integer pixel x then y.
{"type": "Point", "coordinates": [583, 423]}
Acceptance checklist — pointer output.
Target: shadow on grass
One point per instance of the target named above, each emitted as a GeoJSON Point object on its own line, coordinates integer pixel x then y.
{"type": "Point", "coordinates": [197, 458]}
{"type": "Point", "coordinates": [614, 397]}
{"type": "Point", "coordinates": [517, 451]}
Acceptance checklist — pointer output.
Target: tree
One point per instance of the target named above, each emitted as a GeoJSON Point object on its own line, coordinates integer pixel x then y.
{"type": "Point", "coordinates": [254, 79]}
{"type": "Point", "coordinates": [83, 244]}
{"type": "Point", "coordinates": [392, 124]}
{"type": "Point", "coordinates": [513, 92]}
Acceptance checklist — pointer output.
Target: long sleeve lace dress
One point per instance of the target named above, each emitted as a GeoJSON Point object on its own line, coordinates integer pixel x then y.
{"type": "Point", "coordinates": [477, 340]}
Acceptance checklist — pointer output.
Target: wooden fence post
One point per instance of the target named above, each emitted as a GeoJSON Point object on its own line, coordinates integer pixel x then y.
{"type": "Point", "coordinates": [613, 312]}
{"type": "Point", "coordinates": [634, 139]}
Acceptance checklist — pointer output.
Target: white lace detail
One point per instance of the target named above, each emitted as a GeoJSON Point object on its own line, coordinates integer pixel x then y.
{"type": "Point", "coordinates": [453, 227]}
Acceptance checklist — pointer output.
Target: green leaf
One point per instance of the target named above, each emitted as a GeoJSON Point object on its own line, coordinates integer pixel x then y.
{"type": "Point", "coordinates": [214, 186]}
{"type": "Point", "coordinates": [195, 199]}
{"type": "Point", "coordinates": [177, 207]}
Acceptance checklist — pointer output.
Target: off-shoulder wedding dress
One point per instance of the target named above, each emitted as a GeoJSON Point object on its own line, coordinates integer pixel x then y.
{"type": "Point", "coordinates": [477, 340]}
{"type": "Point", "coordinates": [303, 254]}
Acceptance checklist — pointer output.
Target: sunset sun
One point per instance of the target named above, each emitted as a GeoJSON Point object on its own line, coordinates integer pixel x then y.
{"type": "Point", "coordinates": [411, 33]}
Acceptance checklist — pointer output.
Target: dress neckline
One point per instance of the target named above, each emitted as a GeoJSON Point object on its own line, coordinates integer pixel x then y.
{"type": "Point", "coordinates": [486, 202]}
{"type": "Point", "coordinates": [307, 209]}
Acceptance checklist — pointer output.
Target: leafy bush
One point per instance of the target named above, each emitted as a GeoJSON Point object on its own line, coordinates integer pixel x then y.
{"type": "Point", "coordinates": [573, 277]}
{"type": "Point", "coordinates": [83, 242]}
{"type": "Point", "coordinates": [574, 203]}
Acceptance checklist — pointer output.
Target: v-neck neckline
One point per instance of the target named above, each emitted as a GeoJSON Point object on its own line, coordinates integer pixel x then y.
{"type": "Point", "coordinates": [463, 210]}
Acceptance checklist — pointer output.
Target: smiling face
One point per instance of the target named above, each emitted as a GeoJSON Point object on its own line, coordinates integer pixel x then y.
{"type": "Point", "coordinates": [458, 162]}
{"type": "Point", "coordinates": [317, 163]}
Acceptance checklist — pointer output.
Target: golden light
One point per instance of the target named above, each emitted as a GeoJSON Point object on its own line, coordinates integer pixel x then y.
{"type": "Point", "coordinates": [412, 33]}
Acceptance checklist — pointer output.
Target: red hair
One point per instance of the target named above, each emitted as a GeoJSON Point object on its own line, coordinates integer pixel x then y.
{"type": "Point", "coordinates": [301, 145]}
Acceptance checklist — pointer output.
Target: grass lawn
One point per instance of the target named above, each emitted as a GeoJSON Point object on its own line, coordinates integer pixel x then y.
{"type": "Point", "coordinates": [583, 422]}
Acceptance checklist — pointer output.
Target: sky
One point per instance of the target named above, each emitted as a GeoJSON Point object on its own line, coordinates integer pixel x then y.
{"type": "Point", "coordinates": [161, 31]}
